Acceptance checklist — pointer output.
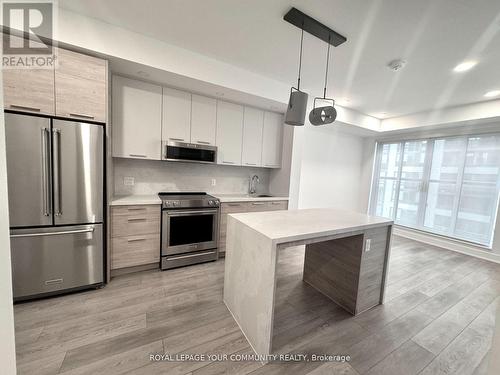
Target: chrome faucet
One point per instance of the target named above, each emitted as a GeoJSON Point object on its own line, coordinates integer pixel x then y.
{"type": "Point", "coordinates": [253, 184]}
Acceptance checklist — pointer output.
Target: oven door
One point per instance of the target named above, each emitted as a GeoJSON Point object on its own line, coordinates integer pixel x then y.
{"type": "Point", "coordinates": [190, 230]}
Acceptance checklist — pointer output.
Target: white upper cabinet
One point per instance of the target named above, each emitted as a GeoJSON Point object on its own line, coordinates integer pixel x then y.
{"type": "Point", "coordinates": [176, 122]}
{"type": "Point", "coordinates": [229, 133]}
{"type": "Point", "coordinates": [136, 121]}
{"type": "Point", "coordinates": [253, 126]}
{"type": "Point", "coordinates": [203, 120]}
{"type": "Point", "coordinates": [272, 140]}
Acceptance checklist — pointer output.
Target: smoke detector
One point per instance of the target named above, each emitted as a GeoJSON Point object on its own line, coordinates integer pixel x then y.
{"type": "Point", "coordinates": [396, 65]}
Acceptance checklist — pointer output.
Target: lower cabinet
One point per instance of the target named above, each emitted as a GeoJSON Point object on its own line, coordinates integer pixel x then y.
{"type": "Point", "coordinates": [242, 207]}
{"type": "Point", "coordinates": [135, 235]}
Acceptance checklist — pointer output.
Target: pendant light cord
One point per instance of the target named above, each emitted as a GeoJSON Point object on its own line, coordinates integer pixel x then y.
{"type": "Point", "coordinates": [326, 73]}
{"type": "Point", "coordinates": [300, 56]}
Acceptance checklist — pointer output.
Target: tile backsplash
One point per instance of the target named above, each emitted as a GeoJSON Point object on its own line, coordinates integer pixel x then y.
{"type": "Point", "coordinates": [151, 177]}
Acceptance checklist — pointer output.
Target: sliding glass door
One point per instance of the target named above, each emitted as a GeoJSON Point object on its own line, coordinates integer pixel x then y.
{"type": "Point", "coordinates": [448, 186]}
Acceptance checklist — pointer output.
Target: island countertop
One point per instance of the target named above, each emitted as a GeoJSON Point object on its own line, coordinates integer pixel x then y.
{"type": "Point", "coordinates": [296, 225]}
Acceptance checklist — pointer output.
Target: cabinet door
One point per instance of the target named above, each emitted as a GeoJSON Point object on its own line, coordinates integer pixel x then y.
{"type": "Point", "coordinates": [176, 122]}
{"type": "Point", "coordinates": [28, 90]}
{"type": "Point", "coordinates": [203, 120]}
{"type": "Point", "coordinates": [229, 133]}
{"type": "Point", "coordinates": [272, 140]}
{"type": "Point", "coordinates": [136, 128]}
{"type": "Point", "coordinates": [253, 126]}
{"type": "Point", "coordinates": [80, 85]}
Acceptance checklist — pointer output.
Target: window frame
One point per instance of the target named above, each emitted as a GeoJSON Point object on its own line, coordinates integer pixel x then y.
{"type": "Point", "coordinates": [426, 180]}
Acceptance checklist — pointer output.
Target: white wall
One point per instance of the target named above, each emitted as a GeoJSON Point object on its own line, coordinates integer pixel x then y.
{"type": "Point", "coordinates": [329, 169]}
{"type": "Point", "coordinates": [473, 113]}
{"type": "Point", "coordinates": [7, 341]}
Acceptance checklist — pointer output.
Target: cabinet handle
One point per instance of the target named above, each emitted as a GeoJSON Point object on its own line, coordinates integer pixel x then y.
{"type": "Point", "coordinates": [137, 209]}
{"type": "Point", "coordinates": [137, 155]}
{"type": "Point", "coordinates": [250, 163]}
{"type": "Point", "coordinates": [227, 162]}
{"type": "Point", "coordinates": [81, 115]}
{"type": "Point", "coordinates": [234, 204]}
{"type": "Point", "coordinates": [177, 139]}
{"type": "Point", "coordinates": [136, 239]}
{"type": "Point", "coordinates": [203, 142]}
{"type": "Point", "coordinates": [276, 203]}
{"type": "Point", "coordinates": [34, 109]}
{"type": "Point", "coordinates": [137, 219]}
{"type": "Point", "coordinates": [258, 204]}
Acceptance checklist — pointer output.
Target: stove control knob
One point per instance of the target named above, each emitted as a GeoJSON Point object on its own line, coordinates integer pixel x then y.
{"type": "Point", "coordinates": [210, 203]}
{"type": "Point", "coordinates": [176, 203]}
{"type": "Point", "coordinates": [168, 203]}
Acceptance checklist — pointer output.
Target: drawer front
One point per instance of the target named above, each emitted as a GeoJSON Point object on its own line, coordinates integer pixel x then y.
{"type": "Point", "coordinates": [135, 225]}
{"type": "Point", "coordinates": [257, 206]}
{"type": "Point", "coordinates": [135, 250]}
{"type": "Point", "coordinates": [234, 207]}
{"type": "Point", "coordinates": [135, 210]}
{"type": "Point", "coordinates": [277, 205]}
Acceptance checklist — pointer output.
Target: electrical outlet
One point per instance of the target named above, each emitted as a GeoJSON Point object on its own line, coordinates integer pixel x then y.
{"type": "Point", "coordinates": [368, 245]}
{"type": "Point", "coordinates": [214, 182]}
{"type": "Point", "coordinates": [128, 181]}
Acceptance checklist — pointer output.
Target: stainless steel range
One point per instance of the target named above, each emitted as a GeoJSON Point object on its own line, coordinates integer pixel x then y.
{"type": "Point", "coordinates": [189, 229]}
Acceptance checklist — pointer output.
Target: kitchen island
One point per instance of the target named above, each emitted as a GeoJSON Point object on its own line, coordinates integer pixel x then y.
{"type": "Point", "coordinates": [346, 259]}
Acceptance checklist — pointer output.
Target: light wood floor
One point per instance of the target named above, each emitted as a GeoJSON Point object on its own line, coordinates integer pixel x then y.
{"type": "Point", "coordinates": [438, 319]}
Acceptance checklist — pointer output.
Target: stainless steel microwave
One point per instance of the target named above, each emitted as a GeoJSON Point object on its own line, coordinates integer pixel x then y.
{"type": "Point", "coordinates": [189, 152]}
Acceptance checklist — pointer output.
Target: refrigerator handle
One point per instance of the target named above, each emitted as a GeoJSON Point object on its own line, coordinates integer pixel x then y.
{"type": "Point", "coordinates": [41, 234]}
{"type": "Point", "coordinates": [45, 172]}
{"type": "Point", "coordinates": [57, 171]}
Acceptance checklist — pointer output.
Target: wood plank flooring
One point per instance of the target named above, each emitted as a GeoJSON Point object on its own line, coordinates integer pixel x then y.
{"type": "Point", "coordinates": [438, 318]}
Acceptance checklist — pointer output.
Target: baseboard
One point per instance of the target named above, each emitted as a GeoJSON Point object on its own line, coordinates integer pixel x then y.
{"type": "Point", "coordinates": [447, 243]}
{"type": "Point", "coordinates": [144, 267]}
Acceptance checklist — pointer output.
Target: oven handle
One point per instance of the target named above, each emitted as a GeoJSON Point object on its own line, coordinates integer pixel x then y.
{"type": "Point", "coordinates": [190, 255]}
{"type": "Point", "coordinates": [188, 213]}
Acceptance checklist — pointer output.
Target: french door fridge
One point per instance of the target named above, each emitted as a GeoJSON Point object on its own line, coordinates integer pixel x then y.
{"type": "Point", "coordinates": [55, 175]}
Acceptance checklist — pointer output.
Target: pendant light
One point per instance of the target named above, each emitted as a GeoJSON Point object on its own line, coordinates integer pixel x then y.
{"type": "Point", "coordinates": [297, 104]}
{"type": "Point", "coordinates": [327, 114]}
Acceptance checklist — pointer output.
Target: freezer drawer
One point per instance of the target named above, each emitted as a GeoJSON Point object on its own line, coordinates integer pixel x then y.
{"type": "Point", "coordinates": [55, 259]}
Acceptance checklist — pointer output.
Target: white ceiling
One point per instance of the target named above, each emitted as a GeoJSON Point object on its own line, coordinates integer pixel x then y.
{"type": "Point", "coordinates": [432, 35]}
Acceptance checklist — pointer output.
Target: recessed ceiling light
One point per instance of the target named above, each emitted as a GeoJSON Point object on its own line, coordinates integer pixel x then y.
{"type": "Point", "coordinates": [492, 94]}
{"type": "Point", "coordinates": [219, 93]}
{"type": "Point", "coordinates": [142, 73]}
{"type": "Point", "coordinates": [463, 67]}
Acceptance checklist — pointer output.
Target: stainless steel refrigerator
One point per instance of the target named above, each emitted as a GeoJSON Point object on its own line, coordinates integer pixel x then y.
{"type": "Point", "coordinates": [55, 175]}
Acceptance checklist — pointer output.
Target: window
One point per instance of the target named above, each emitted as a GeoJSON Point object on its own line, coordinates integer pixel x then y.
{"type": "Point", "coordinates": [449, 186]}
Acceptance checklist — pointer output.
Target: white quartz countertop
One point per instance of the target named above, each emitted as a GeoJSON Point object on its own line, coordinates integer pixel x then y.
{"type": "Point", "coordinates": [226, 198]}
{"type": "Point", "coordinates": [296, 225]}
{"type": "Point", "coordinates": [130, 200]}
